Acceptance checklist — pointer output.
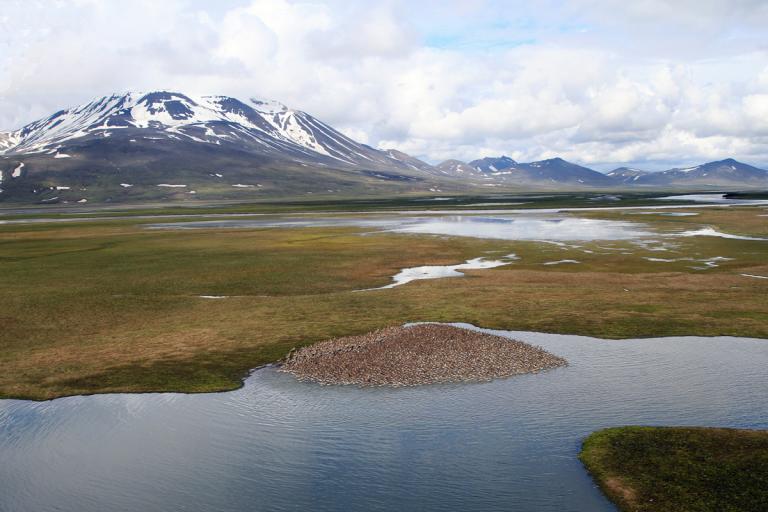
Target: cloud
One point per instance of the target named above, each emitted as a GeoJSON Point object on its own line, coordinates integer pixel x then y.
{"type": "Point", "coordinates": [600, 82]}
{"type": "Point", "coordinates": [698, 14]}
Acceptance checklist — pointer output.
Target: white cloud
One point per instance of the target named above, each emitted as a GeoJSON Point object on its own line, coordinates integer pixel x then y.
{"type": "Point", "coordinates": [599, 82]}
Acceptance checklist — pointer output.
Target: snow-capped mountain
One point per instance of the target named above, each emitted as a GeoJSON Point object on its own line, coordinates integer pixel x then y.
{"type": "Point", "coordinates": [138, 143]}
{"type": "Point", "coordinates": [493, 165]}
{"type": "Point", "coordinates": [720, 173]}
{"type": "Point", "coordinates": [626, 175]}
{"type": "Point", "coordinates": [557, 170]}
{"type": "Point", "coordinates": [457, 168]}
{"type": "Point", "coordinates": [269, 127]}
{"type": "Point", "coordinates": [551, 173]}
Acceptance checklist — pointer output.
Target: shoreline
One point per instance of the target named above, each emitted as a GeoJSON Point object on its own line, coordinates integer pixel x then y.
{"type": "Point", "coordinates": [277, 363]}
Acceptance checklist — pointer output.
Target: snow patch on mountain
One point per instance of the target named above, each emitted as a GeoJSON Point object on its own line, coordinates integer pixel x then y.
{"type": "Point", "coordinates": [8, 140]}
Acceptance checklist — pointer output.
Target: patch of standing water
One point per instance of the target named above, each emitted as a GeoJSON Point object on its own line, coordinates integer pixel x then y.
{"type": "Point", "coordinates": [712, 198]}
{"type": "Point", "coordinates": [654, 245]}
{"type": "Point", "coordinates": [560, 262]}
{"type": "Point", "coordinates": [282, 444]}
{"type": "Point", "coordinates": [713, 232]}
{"type": "Point", "coordinates": [529, 226]}
{"type": "Point", "coordinates": [708, 262]}
{"type": "Point", "coordinates": [440, 271]}
{"type": "Point", "coordinates": [666, 214]}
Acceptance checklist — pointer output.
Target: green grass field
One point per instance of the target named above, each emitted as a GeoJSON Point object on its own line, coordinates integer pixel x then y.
{"type": "Point", "coordinates": [105, 306]}
{"type": "Point", "coordinates": [678, 469]}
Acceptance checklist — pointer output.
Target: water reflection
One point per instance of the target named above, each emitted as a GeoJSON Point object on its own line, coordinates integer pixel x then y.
{"type": "Point", "coordinates": [441, 271]}
{"type": "Point", "coordinates": [504, 227]}
{"type": "Point", "coordinates": [713, 198]}
{"type": "Point", "coordinates": [528, 228]}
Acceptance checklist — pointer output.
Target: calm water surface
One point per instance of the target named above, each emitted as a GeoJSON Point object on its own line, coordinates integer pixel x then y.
{"type": "Point", "coordinates": [526, 226]}
{"type": "Point", "coordinates": [280, 444]}
{"type": "Point", "coordinates": [714, 198]}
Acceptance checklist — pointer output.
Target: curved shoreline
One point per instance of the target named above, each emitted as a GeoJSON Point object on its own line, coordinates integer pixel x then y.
{"type": "Point", "coordinates": [244, 375]}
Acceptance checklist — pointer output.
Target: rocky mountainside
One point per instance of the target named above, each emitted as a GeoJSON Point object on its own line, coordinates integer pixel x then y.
{"type": "Point", "coordinates": [493, 165]}
{"type": "Point", "coordinates": [410, 161]}
{"type": "Point", "coordinates": [626, 175]}
{"type": "Point", "coordinates": [457, 168]}
{"type": "Point", "coordinates": [720, 173]}
{"type": "Point", "coordinates": [546, 174]}
{"type": "Point", "coordinates": [557, 170]}
{"type": "Point", "coordinates": [556, 173]}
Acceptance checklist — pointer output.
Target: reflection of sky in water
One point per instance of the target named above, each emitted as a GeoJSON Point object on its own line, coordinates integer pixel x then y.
{"type": "Point", "coordinates": [281, 444]}
{"type": "Point", "coordinates": [504, 227]}
{"type": "Point", "coordinates": [528, 228]}
{"type": "Point", "coordinates": [699, 200]}
{"type": "Point", "coordinates": [666, 214]}
{"type": "Point", "coordinates": [441, 271]}
{"type": "Point", "coordinates": [712, 198]}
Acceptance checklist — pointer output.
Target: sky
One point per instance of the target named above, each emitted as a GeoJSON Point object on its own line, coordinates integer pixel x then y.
{"type": "Point", "coordinates": [649, 83]}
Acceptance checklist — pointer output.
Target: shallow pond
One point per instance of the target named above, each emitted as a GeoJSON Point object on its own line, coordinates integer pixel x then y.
{"type": "Point", "coordinates": [713, 198]}
{"type": "Point", "coordinates": [281, 444]}
{"type": "Point", "coordinates": [410, 274]}
{"type": "Point", "coordinates": [526, 226]}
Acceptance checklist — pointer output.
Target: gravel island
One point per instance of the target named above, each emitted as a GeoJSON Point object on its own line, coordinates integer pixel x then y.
{"type": "Point", "coordinates": [417, 355]}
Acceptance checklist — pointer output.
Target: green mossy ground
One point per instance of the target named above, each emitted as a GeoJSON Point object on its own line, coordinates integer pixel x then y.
{"type": "Point", "coordinates": [679, 469]}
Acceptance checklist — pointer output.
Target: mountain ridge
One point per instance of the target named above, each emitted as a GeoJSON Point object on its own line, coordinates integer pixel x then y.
{"type": "Point", "coordinates": [134, 146]}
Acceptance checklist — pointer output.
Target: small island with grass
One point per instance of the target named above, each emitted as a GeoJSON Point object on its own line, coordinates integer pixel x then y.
{"type": "Point", "coordinates": [679, 469]}
{"type": "Point", "coordinates": [417, 355]}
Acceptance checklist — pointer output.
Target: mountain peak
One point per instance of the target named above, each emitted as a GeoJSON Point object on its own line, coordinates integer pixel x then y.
{"type": "Point", "coordinates": [626, 175]}
{"type": "Point", "coordinates": [269, 126]}
{"type": "Point", "coordinates": [457, 168]}
{"type": "Point", "coordinates": [493, 164]}
{"type": "Point", "coordinates": [269, 106]}
{"type": "Point", "coordinates": [626, 171]}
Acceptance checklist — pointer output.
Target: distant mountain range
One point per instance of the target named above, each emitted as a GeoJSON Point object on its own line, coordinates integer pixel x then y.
{"type": "Point", "coordinates": [727, 173]}
{"type": "Point", "coordinates": [168, 145]}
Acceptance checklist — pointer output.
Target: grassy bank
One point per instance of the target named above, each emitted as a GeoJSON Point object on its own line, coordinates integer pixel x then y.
{"type": "Point", "coordinates": [112, 306]}
{"type": "Point", "coordinates": [679, 469]}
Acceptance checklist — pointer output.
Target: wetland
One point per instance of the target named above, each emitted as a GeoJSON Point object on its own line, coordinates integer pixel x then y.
{"type": "Point", "coordinates": [661, 318]}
